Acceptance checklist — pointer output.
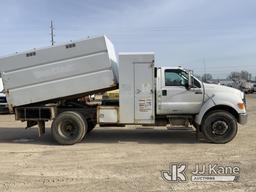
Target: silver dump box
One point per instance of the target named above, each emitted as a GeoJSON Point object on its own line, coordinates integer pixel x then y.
{"type": "Point", "coordinates": [67, 70]}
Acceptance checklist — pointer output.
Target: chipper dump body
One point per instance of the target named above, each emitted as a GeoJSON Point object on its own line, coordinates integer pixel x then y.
{"type": "Point", "coordinates": [60, 71]}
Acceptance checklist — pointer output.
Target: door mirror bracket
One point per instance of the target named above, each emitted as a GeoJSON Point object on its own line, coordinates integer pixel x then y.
{"type": "Point", "coordinates": [188, 85]}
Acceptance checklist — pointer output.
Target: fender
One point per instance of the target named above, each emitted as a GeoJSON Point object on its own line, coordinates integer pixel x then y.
{"type": "Point", "coordinates": [221, 99]}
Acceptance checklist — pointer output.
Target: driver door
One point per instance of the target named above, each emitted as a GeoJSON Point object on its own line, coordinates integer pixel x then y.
{"type": "Point", "coordinates": [174, 97]}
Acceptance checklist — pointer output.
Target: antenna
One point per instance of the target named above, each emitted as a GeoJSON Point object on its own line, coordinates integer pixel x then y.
{"type": "Point", "coordinates": [52, 33]}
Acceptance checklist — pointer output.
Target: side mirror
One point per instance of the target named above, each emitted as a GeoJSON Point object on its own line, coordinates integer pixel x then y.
{"type": "Point", "coordinates": [187, 86]}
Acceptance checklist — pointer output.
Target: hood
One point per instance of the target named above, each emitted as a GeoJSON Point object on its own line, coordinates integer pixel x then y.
{"type": "Point", "coordinates": [211, 89]}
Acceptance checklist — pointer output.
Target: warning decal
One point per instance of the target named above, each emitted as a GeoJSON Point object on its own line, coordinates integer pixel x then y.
{"type": "Point", "coordinates": [145, 105]}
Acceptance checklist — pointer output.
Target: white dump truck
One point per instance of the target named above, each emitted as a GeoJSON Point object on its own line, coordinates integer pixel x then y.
{"type": "Point", "coordinates": [47, 84]}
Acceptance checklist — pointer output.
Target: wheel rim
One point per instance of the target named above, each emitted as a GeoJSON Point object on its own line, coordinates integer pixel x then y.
{"type": "Point", "coordinates": [68, 129]}
{"type": "Point", "coordinates": [219, 128]}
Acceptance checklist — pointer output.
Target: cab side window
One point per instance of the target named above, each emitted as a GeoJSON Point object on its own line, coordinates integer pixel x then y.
{"type": "Point", "coordinates": [174, 78]}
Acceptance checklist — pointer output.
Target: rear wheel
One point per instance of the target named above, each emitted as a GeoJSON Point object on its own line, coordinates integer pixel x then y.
{"type": "Point", "coordinates": [69, 128]}
{"type": "Point", "coordinates": [219, 127]}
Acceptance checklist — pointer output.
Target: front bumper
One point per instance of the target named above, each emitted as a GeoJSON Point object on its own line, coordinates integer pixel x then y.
{"type": "Point", "coordinates": [243, 118]}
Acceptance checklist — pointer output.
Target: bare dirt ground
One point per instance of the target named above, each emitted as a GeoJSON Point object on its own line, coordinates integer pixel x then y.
{"type": "Point", "coordinates": [120, 159]}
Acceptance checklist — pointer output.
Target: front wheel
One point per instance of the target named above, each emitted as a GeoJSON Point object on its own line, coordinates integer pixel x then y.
{"type": "Point", "coordinates": [69, 128]}
{"type": "Point", "coordinates": [219, 127]}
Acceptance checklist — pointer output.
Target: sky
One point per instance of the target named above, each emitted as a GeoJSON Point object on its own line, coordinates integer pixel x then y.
{"type": "Point", "coordinates": [212, 36]}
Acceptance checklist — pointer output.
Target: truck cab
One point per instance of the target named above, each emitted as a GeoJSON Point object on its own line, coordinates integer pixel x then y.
{"type": "Point", "coordinates": [213, 109]}
{"type": "Point", "coordinates": [179, 92]}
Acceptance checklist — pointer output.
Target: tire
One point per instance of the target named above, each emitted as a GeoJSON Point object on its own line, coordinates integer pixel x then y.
{"type": "Point", "coordinates": [69, 128]}
{"type": "Point", "coordinates": [219, 127]}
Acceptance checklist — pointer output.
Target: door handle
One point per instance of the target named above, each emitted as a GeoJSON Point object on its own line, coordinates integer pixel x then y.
{"type": "Point", "coordinates": [164, 92]}
{"type": "Point", "coordinates": [198, 92]}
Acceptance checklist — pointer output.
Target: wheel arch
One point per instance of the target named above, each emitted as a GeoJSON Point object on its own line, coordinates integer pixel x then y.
{"type": "Point", "coordinates": [211, 105]}
{"type": "Point", "coordinates": [226, 108]}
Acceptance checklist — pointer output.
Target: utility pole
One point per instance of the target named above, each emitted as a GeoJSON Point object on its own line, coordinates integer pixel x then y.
{"type": "Point", "coordinates": [52, 33]}
{"type": "Point", "coordinates": [204, 65]}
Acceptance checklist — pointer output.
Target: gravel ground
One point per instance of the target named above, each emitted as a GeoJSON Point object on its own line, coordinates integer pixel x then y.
{"type": "Point", "coordinates": [120, 159]}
